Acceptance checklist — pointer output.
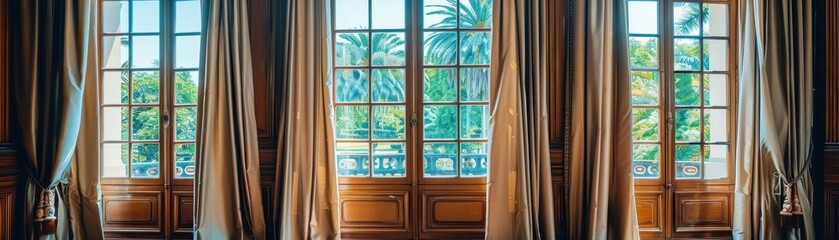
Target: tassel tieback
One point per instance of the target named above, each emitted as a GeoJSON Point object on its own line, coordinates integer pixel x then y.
{"type": "Point", "coordinates": [45, 220]}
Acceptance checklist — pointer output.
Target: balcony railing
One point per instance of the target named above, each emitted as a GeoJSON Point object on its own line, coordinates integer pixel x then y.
{"type": "Point", "coordinates": [393, 165]}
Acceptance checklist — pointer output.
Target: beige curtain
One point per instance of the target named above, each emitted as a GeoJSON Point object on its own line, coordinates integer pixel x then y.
{"type": "Point", "coordinates": [601, 202]}
{"type": "Point", "coordinates": [84, 197]}
{"type": "Point", "coordinates": [308, 208]}
{"type": "Point", "coordinates": [228, 200]}
{"type": "Point", "coordinates": [774, 116]}
{"type": "Point", "coordinates": [520, 201]}
{"type": "Point", "coordinates": [50, 73]}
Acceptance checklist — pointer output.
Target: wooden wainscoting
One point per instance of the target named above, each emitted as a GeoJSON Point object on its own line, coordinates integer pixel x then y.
{"type": "Point", "coordinates": [376, 211]}
{"type": "Point", "coordinates": [132, 211]}
{"type": "Point", "coordinates": [452, 211]}
{"type": "Point", "coordinates": [831, 191]}
{"type": "Point", "coordinates": [9, 177]}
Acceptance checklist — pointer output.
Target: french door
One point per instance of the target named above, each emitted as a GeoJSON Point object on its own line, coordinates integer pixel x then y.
{"type": "Point", "coordinates": [150, 53]}
{"type": "Point", "coordinates": [411, 100]}
{"type": "Point", "coordinates": [683, 96]}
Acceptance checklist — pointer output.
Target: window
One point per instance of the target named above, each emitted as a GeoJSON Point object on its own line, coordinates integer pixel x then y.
{"type": "Point", "coordinates": [682, 115]}
{"type": "Point", "coordinates": [379, 95]}
{"type": "Point", "coordinates": [149, 88]}
{"type": "Point", "coordinates": [698, 106]}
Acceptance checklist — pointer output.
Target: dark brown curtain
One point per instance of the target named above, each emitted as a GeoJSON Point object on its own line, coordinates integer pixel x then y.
{"type": "Point", "coordinates": [50, 70]}
{"type": "Point", "coordinates": [228, 200]}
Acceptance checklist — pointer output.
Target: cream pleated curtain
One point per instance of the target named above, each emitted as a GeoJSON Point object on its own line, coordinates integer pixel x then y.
{"type": "Point", "coordinates": [308, 207]}
{"type": "Point", "coordinates": [54, 77]}
{"type": "Point", "coordinates": [601, 202]}
{"type": "Point", "coordinates": [228, 199]}
{"type": "Point", "coordinates": [774, 115]}
{"type": "Point", "coordinates": [519, 192]}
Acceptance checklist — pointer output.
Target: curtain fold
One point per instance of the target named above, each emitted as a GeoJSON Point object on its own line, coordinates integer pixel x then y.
{"type": "Point", "coordinates": [519, 191]}
{"type": "Point", "coordinates": [48, 79]}
{"type": "Point", "coordinates": [308, 187]}
{"type": "Point", "coordinates": [228, 200]}
{"type": "Point", "coordinates": [601, 201]}
{"type": "Point", "coordinates": [774, 116]}
{"type": "Point", "coordinates": [84, 196]}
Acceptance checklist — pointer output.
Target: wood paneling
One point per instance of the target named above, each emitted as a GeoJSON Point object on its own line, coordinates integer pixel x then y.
{"type": "Point", "coordinates": [375, 211]}
{"type": "Point", "coordinates": [703, 212]}
{"type": "Point", "coordinates": [832, 71]}
{"type": "Point", "coordinates": [452, 211]}
{"type": "Point", "coordinates": [263, 77]}
{"type": "Point", "coordinates": [134, 211]}
{"type": "Point", "coordinates": [4, 83]}
{"type": "Point", "coordinates": [183, 204]}
{"type": "Point", "coordinates": [650, 207]}
{"type": "Point", "coordinates": [555, 47]}
{"type": "Point", "coordinates": [9, 176]}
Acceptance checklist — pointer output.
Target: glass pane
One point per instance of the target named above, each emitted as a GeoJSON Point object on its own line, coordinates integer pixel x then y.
{"type": "Point", "coordinates": [115, 51]}
{"type": "Point", "coordinates": [186, 123]}
{"type": "Point", "coordinates": [645, 124]}
{"type": "Point", "coordinates": [352, 159]}
{"type": "Point", "coordinates": [388, 14]}
{"type": "Point", "coordinates": [440, 14]}
{"type": "Point", "coordinates": [439, 159]}
{"type": "Point", "coordinates": [715, 161]}
{"type": "Point", "coordinates": [351, 49]}
{"type": "Point", "coordinates": [114, 123]}
{"type": "Point", "coordinates": [187, 51]}
{"type": "Point", "coordinates": [145, 159]}
{"type": "Point", "coordinates": [351, 85]}
{"type": "Point", "coordinates": [146, 87]}
{"type": "Point", "coordinates": [352, 122]}
{"type": "Point", "coordinates": [687, 125]}
{"type": "Point", "coordinates": [643, 17]}
{"type": "Point", "coordinates": [645, 87]}
{"type": "Point", "coordinates": [187, 87]}
{"type": "Point", "coordinates": [473, 159]}
{"type": "Point", "coordinates": [146, 51]}
{"type": "Point", "coordinates": [687, 162]}
{"type": "Point", "coordinates": [716, 89]}
{"type": "Point", "coordinates": [187, 16]}
{"type": "Point", "coordinates": [643, 52]}
{"type": "Point", "coordinates": [352, 14]}
{"type": "Point", "coordinates": [388, 85]}
{"type": "Point", "coordinates": [686, 17]}
{"type": "Point", "coordinates": [115, 17]}
{"type": "Point", "coordinates": [145, 123]}
{"type": "Point", "coordinates": [185, 160]}
{"type": "Point", "coordinates": [388, 122]}
{"type": "Point", "coordinates": [475, 47]}
{"type": "Point", "coordinates": [715, 54]}
{"type": "Point", "coordinates": [115, 160]}
{"type": "Point", "coordinates": [439, 85]}
{"type": "Point", "coordinates": [475, 14]}
{"type": "Point", "coordinates": [440, 122]}
{"type": "Point", "coordinates": [645, 160]}
{"type": "Point", "coordinates": [389, 159]}
{"type": "Point", "coordinates": [716, 22]}
{"type": "Point", "coordinates": [114, 87]}
{"type": "Point", "coordinates": [473, 121]}
{"type": "Point", "coordinates": [146, 16]}
{"type": "Point", "coordinates": [474, 84]}
{"type": "Point", "coordinates": [687, 89]}
{"type": "Point", "coordinates": [716, 125]}
{"type": "Point", "coordinates": [440, 48]}
{"type": "Point", "coordinates": [686, 54]}
{"type": "Point", "coordinates": [388, 49]}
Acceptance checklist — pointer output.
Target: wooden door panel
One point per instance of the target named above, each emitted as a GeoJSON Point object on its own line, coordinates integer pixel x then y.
{"type": "Point", "coordinates": [375, 211]}
{"type": "Point", "coordinates": [182, 209]}
{"type": "Point", "coordinates": [703, 212]}
{"type": "Point", "coordinates": [132, 211]}
{"type": "Point", "coordinates": [452, 211]}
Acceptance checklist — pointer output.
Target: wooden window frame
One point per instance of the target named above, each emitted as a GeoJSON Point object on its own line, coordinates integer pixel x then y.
{"type": "Point", "coordinates": [166, 105]}
{"type": "Point", "coordinates": [414, 32]}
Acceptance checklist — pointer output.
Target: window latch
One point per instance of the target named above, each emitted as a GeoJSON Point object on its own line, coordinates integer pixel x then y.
{"type": "Point", "coordinates": [165, 118]}
{"type": "Point", "coordinates": [670, 120]}
{"type": "Point", "coordinates": [413, 119]}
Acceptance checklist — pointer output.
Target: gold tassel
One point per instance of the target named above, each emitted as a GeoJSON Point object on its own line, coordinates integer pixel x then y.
{"type": "Point", "coordinates": [45, 220]}
{"type": "Point", "coordinates": [786, 209]}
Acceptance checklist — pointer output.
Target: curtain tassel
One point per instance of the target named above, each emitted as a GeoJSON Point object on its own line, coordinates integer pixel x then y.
{"type": "Point", "coordinates": [45, 220]}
